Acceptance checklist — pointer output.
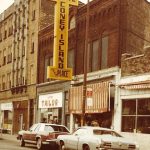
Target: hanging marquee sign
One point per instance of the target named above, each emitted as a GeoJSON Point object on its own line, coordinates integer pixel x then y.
{"type": "Point", "coordinates": [59, 69]}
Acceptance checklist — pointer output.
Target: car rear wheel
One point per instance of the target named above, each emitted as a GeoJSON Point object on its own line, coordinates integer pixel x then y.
{"type": "Point", "coordinates": [86, 147]}
{"type": "Point", "coordinates": [22, 142]}
{"type": "Point", "coordinates": [62, 146]}
{"type": "Point", "coordinates": [39, 144]}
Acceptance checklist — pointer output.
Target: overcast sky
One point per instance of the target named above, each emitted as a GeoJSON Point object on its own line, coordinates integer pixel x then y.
{"type": "Point", "coordinates": [4, 4]}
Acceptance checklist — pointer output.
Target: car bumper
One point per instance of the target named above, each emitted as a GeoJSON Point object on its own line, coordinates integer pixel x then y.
{"type": "Point", "coordinates": [51, 142]}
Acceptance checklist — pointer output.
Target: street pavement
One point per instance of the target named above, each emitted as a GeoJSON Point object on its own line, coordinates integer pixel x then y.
{"type": "Point", "coordinates": [8, 137]}
{"type": "Point", "coordinates": [9, 142]}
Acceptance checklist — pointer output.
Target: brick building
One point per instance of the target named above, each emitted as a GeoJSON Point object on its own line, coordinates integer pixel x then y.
{"type": "Point", "coordinates": [118, 52]}
{"type": "Point", "coordinates": [103, 64]}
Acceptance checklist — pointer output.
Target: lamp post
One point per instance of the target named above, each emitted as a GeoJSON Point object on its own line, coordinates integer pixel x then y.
{"type": "Point", "coordinates": [85, 66]}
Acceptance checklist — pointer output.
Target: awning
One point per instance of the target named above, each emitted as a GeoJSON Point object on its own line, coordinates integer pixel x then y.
{"type": "Point", "coordinates": [136, 85]}
{"type": "Point", "coordinates": [100, 98]}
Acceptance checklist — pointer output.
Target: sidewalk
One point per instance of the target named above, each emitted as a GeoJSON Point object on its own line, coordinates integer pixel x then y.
{"type": "Point", "coordinates": [8, 137]}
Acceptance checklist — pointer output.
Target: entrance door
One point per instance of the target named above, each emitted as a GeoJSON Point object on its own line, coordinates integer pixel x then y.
{"type": "Point", "coordinates": [21, 121]}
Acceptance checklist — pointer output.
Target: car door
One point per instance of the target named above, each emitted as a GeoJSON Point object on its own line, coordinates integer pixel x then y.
{"type": "Point", "coordinates": [27, 134]}
{"type": "Point", "coordinates": [74, 139]}
{"type": "Point", "coordinates": [34, 132]}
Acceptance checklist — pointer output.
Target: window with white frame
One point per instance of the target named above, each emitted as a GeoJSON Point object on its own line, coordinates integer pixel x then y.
{"type": "Point", "coordinates": [136, 115]}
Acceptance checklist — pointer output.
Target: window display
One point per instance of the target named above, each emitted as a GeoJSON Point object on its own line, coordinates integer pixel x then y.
{"type": "Point", "coordinates": [136, 115]}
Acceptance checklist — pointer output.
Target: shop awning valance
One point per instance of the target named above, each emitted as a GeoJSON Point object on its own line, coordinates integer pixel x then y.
{"type": "Point", "coordinates": [100, 98]}
{"type": "Point", "coordinates": [136, 85]}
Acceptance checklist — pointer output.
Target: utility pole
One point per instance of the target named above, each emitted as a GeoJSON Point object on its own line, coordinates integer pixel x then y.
{"type": "Point", "coordinates": [85, 66]}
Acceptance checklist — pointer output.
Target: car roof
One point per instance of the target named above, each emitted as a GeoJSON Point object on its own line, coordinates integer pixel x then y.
{"type": "Point", "coordinates": [95, 128]}
{"type": "Point", "coordinates": [51, 124]}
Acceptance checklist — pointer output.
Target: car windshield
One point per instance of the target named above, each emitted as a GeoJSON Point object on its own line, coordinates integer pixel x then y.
{"type": "Point", "coordinates": [105, 132]}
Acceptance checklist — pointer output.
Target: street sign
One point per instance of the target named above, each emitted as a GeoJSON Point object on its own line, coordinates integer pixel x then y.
{"type": "Point", "coordinates": [89, 94]}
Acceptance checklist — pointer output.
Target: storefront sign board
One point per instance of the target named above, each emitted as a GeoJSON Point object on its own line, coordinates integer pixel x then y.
{"type": "Point", "coordinates": [51, 100]}
{"type": "Point", "coordinates": [6, 106]}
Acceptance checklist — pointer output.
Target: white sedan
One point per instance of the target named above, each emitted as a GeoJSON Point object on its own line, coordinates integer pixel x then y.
{"type": "Point", "coordinates": [95, 138]}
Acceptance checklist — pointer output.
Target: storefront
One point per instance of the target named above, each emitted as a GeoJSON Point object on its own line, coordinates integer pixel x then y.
{"type": "Point", "coordinates": [50, 107]}
{"type": "Point", "coordinates": [6, 117]}
{"type": "Point", "coordinates": [99, 106]}
{"type": "Point", "coordinates": [135, 98]}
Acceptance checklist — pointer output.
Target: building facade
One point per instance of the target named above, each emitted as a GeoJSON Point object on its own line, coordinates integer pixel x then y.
{"type": "Point", "coordinates": [118, 52]}
{"type": "Point", "coordinates": [18, 72]}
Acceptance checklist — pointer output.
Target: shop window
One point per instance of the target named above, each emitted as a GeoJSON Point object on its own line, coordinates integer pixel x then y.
{"type": "Point", "coordinates": [129, 107]}
{"type": "Point", "coordinates": [136, 115]}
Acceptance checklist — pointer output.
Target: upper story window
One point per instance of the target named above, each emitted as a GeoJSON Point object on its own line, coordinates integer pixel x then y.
{"type": "Point", "coordinates": [0, 37]}
{"type": "Point", "coordinates": [72, 24]}
{"type": "Point", "coordinates": [95, 55]}
{"type": "Point", "coordinates": [71, 59]}
{"type": "Point", "coordinates": [4, 56]}
{"type": "Point", "coordinates": [31, 74]}
{"type": "Point", "coordinates": [48, 62]}
{"type": "Point", "coordinates": [8, 80]}
{"type": "Point", "coordinates": [32, 43]}
{"type": "Point", "coordinates": [33, 14]}
{"type": "Point", "coordinates": [3, 82]}
{"type": "Point", "coordinates": [104, 51]}
{"type": "Point", "coordinates": [9, 56]}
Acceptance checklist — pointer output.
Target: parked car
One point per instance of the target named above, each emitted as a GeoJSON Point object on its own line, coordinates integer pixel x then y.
{"type": "Point", "coordinates": [41, 134]}
{"type": "Point", "coordinates": [95, 138]}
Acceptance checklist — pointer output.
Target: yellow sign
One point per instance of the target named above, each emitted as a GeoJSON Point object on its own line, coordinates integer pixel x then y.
{"type": "Point", "coordinates": [61, 41]}
{"type": "Point", "coordinates": [60, 74]}
{"type": "Point", "coordinates": [73, 2]}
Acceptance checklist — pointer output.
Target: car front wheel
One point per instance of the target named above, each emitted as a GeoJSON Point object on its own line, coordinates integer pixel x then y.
{"type": "Point", "coordinates": [62, 146]}
{"type": "Point", "coordinates": [86, 147]}
{"type": "Point", "coordinates": [22, 142]}
{"type": "Point", "coordinates": [39, 144]}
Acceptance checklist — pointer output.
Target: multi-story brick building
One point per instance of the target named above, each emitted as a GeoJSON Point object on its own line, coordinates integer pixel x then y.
{"type": "Point", "coordinates": [102, 65]}
{"type": "Point", "coordinates": [117, 58]}
{"type": "Point", "coordinates": [6, 46]}
{"type": "Point", "coordinates": [18, 70]}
